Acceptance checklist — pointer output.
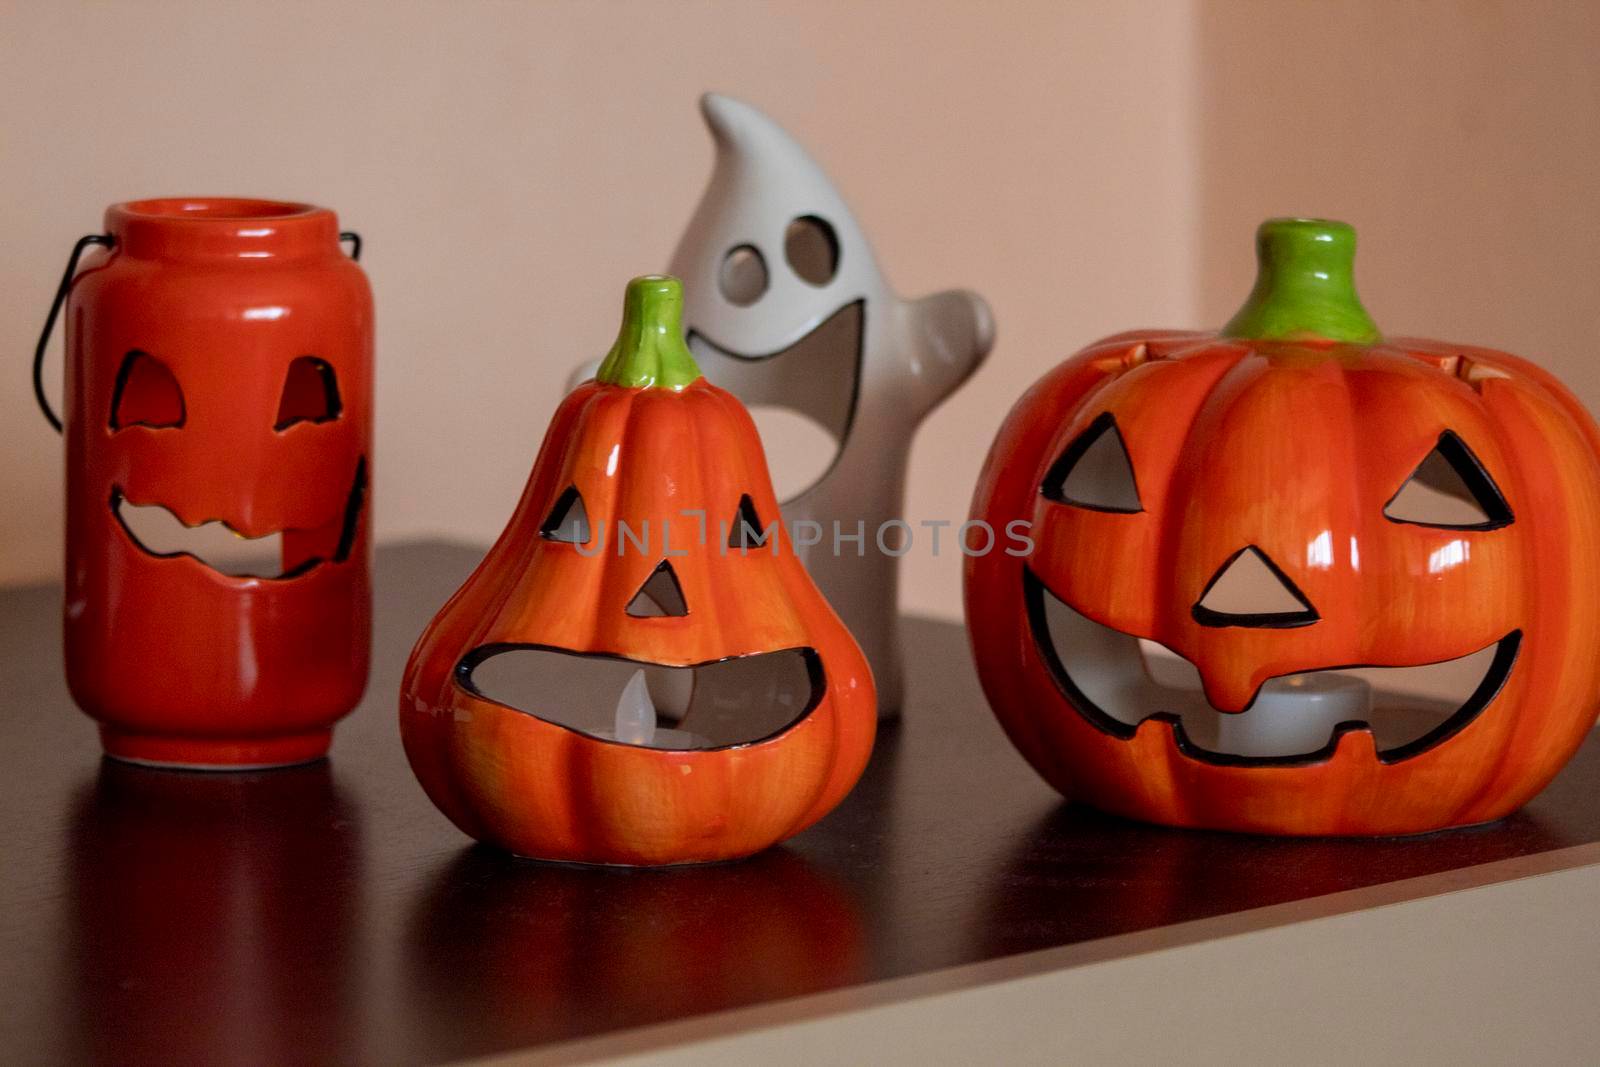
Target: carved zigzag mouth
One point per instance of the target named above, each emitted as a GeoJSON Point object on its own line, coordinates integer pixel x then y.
{"type": "Point", "coordinates": [281, 554]}
{"type": "Point", "coordinates": [1293, 719]}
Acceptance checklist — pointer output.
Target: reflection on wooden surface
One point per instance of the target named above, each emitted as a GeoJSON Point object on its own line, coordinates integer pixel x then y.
{"type": "Point", "coordinates": [1095, 875]}
{"type": "Point", "coordinates": [541, 952]}
{"type": "Point", "coordinates": [212, 913]}
{"type": "Point", "coordinates": [328, 913]}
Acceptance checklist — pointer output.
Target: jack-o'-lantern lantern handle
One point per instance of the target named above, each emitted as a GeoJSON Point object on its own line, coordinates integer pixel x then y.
{"type": "Point", "coordinates": [650, 350]}
{"type": "Point", "coordinates": [1305, 286]}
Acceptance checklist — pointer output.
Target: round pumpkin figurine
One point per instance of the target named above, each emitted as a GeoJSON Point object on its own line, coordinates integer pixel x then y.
{"type": "Point", "coordinates": [640, 671]}
{"type": "Point", "coordinates": [1277, 504]}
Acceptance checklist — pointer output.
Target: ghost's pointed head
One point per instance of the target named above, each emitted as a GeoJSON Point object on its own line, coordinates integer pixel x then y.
{"type": "Point", "coordinates": [772, 251]}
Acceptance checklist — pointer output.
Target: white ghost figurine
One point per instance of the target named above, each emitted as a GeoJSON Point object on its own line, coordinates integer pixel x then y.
{"type": "Point", "coordinates": [785, 306]}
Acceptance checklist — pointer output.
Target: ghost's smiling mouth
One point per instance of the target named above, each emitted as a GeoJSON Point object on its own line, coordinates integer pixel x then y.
{"type": "Point", "coordinates": [1104, 675]}
{"type": "Point", "coordinates": [818, 376]}
{"type": "Point", "coordinates": [720, 704]}
{"type": "Point", "coordinates": [281, 554]}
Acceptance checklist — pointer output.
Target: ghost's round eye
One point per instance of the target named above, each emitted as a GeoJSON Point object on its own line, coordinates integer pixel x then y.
{"type": "Point", "coordinates": [812, 249]}
{"type": "Point", "coordinates": [744, 275]}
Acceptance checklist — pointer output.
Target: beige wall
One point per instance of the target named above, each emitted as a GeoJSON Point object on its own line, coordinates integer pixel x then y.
{"type": "Point", "coordinates": [511, 165]}
{"type": "Point", "coordinates": [1087, 166]}
{"type": "Point", "coordinates": [1461, 139]}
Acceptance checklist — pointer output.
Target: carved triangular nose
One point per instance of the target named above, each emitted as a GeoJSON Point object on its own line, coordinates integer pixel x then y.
{"type": "Point", "coordinates": [660, 596]}
{"type": "Point", "coordinates": [1251, 590]}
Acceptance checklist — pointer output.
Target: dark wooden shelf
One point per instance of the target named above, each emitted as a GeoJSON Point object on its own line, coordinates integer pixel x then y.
{"type": "Point", "coordinates": [329, 913]}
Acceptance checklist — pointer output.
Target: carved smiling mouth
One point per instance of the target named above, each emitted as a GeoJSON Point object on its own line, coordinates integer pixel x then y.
{"type": "Point", "coordinates": [818, 376]}
{"type": "Point", "coordinates": [1294, 719]}
{"type": "Point", "coordinates": [720, 704]}
{"type": "Point", "coordinates": [157, 531]}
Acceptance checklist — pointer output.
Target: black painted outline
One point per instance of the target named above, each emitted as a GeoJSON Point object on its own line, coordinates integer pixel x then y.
{"type": "Point", "coordinates": [664, 568]}
{"type": "Point", "coordinates": [354, 507]}
{"type": "Point", "coordinates": [855, 384]}
{"type": "Point", "coordinates": [558, 515]}
{"type": "Point", "coordinates": [1493, 681]}
{"type": "Point", "coordinates": [1033, 594]}
{"type": "Point", "coordinates": [462, 676]}
{"type": "Point", "coordinates": [1473, 474]}
{"type": "Point", "coordinates": [1053, 486]}
{"type": "Point", "coordinates": [1271, 620]}
{"type": "Point", "coordinates": [747, 534]}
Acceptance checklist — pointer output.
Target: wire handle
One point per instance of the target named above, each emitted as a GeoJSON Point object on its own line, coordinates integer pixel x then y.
{"type": "Point", "coordinates": [104, 240]}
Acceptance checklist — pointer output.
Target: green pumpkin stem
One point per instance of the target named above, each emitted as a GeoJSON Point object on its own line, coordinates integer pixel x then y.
{"type": "Point", "coordinates": [649, 351]}
{"type": "Point", "coordinates": [1305, 286]}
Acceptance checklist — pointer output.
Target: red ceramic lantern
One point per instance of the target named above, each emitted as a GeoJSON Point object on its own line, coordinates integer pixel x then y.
{"type": "Point", "coordinates": [1273, 503]}
{"type": "Point", "coordinates": [641, 671]}
{"type": "Point", "coordinates": [219, 380]}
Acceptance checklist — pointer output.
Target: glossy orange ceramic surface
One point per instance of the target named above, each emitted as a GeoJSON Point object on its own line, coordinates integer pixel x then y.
{"type": "Point", "coordinates": [1295, 447]}
{"type": "Point", "coordinates": [181, 382]}
{"type": "Point", "coordinates": [652, 456]}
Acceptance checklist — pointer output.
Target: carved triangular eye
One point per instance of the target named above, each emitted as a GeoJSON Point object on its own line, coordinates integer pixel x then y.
{"type": "Point", "coordinates": [660, 596]}
{"type": "Point", "coordinates": [568, 519]}
{"type": "Point", "coordinates": [1451, 490]}
{"type": "Point", "coordinates": [1094, 472]}
{"type": "Point", "coordinates": [1251, 590]}
{"type": "Point", "coordinates": [145, 394]}
{"type": "Point", "coordinates": [746, 531]}
{"type": "Point", "coordinates": [310, 394]}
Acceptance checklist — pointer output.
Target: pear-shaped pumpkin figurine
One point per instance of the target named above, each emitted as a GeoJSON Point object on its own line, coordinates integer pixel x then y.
{"type": "Point", "coordinates": [640, 671]}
